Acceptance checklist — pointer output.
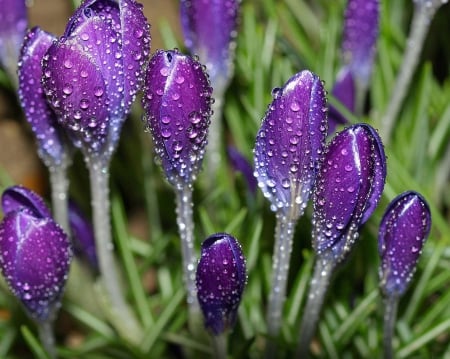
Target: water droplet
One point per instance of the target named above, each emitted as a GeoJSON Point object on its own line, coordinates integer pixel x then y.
{"type": "Point", "coordinates": [295, 106]}
{"type": "Point", "coordinates": [348, 168]}
{"type": "Point", "coordinates": [164, 71]}
{"type": "Point", "coordinates": [84, 103]}
{"type": "Point", "coordinates": [68, 64]}
{"type": "Point", "coordinates": [166, 133]}
{"type": "Point", "coordinates": [67, 89]}
{"type": "Point", "coordinates": [98, 91]}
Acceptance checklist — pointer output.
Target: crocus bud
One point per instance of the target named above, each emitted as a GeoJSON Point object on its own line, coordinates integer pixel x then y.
{"type": "Point", "coordinates": [13, 24]}
{"type": "Point", "coordinates": [344, 91]}
{"type": "Point", "coordinates": [35, 255]}
{"type": "Point", "coordinates": [221, 278]}
{"type": "Point", "coordinates": [92, 74]}
{"type": "Point", "coordinates": [50, 137]}
{"type": "Point", "coordinates": [348, 188]}
{"type": "Point", "coordinates": [403, 231]}
{"type": "Point", "coordinates": [177, 104]}
{"type": "Point", "coordinates": [290, 143]}
{"type": "Point", "coordinates": [241, 164]}
{"type": "Point", "coordinates": [209, 29]}
{"type": "Point", "coordinates": [18, 198]}
{"type": "Point", "coordinates": [82, 235]}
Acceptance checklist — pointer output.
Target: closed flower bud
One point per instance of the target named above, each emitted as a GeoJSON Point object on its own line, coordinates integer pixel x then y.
{"type": "Point", "coordinates": [91, 75]}
{"type": "Point", "coordinates": [177, 104]}
{"type": "Point", "coordinates": [403, 231]}
{"type": "Point", "coordinates": [209, 29]}
{"type": "Point", "coordinates": [290, 143]}
{"type": "Point", "coordinates": [35, 254]}
{"type": "Point", "coordinates": [221, 278]}
{"type": "Point", "coordinates": [43, 121]}
{"type": "Point", "coordinates": [348, 188]}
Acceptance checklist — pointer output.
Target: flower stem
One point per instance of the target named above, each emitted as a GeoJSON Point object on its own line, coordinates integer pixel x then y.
{"type": "Point", "coordinates": [121, 315]}
{"type": "Point", "coordinates": [60, 194]}
{"type": "Point", "coordinates": [186, 229]}
{"type": "Point", "coordinates": [284, 234]}
{"type": "Point", "coordinates": [423, 14]}
{"type": "Point", "coordinates": [316, 295]}
{"type": "Point", "coordinates": [219, 343]}
{"type": "Point", "coordinates": [47, 337]}
{"type": "Point", "coordinates": [390, 316]}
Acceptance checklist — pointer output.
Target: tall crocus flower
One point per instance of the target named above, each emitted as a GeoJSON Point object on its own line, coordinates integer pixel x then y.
{"type": "Point", "coordinates": [403, 231]}
{"type": "Point", "coordinates": [210, 29]}
{"type": "Point", "coordinates": [220, 279]}
{"type": "Point", "coordinates": [348, 188]}
{"type": "Point", "coordinates": [91, 77]}
{"type": "Point", "coordinates": [13, 25]}
{"type": "Point", "coordinates": [53, 147]}
{"type": "Point", "coordinates": [177, 104]}
{"type": "Point", "coordinates": [360, 34]}
{"type": "Point", "coordinates": [35, 255]}
{"type": "Point", "coordinates": [287, 153]}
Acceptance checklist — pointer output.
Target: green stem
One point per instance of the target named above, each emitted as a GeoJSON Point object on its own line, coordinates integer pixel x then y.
{"type": "Point", "coordinates": [316, 295]}
{"type": "Point", "coordinates": [121, 315]}
{"type": "Point", "coordinates": [219, 343]}
{"type": "Point", "coordinates": [186, 230]}
{"type": "Point", "coordinates": [284, 234]}
{"type": "Point", "coordinates": [423, 14]}
{"type": "Point", "coordinates": [47, 337]}
{"type": "Point", "coordinates": [390, 316]}
{"type": "Point", "coordinates": [60, 194]}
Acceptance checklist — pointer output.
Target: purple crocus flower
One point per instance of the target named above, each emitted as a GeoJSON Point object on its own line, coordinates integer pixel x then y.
{"type": "Point", "coordinates": [177, 104]}
{"type": "Point", "coordinates": [221, 278]}
{"type": "Point", "coordinates": [82, 235]}
{"type": "Point", "coordinates": [361, 28]}
{"type": "Point", "coordinates": [50, 137]}
{"type": "Point", "coordinates": [403, 231]}
{"type": "Point", "coordinates": [13, 25]}
{"type": "Point", "coordinates": [92, 74]}
{"type": "Point", "coordinates": [35, 253]}
{"type": "Point", "coordinates": [241, 164]}
{"type": "Point", "coordinates": [209, 28]}
{"type": "Point", "coordinates": [348, 188]}
{"type": "Point", "coordinates": [290, 141]}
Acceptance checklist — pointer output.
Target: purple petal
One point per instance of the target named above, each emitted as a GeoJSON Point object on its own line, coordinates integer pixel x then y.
{"type": "Point", "coordinates": [241, 164]}
{"type": "Point", "coordinates": [290, 142]}
{"type": "Point", "coordinates": [82, 235]}
{"type": "Point", "coordinates": [13, 25]}
{"type": "Point", "coordinates": [360, 35]}
{"type": "Point", "coordinates": [50, 138]}
{"type": "Point", "coordinates": [403, 231]}
{"type": "Point", "coordinates": [209, 29]}
{"type": "Point", "coordinates": [346, 192]}
{"type": "Point", "coordinates": [220, 278]}
{"type": "Point", "coordinates": [35, 256]}
{"type": "Point", "coordinates": [177, 101]}
{"type": "Point", "coordinates": [19, 198]}
{"type": "Point", "coordinates": [344, 92]}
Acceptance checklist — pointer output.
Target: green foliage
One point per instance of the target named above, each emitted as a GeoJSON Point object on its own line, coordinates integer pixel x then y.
{"type": "Point", "coordinates": [276, 39]}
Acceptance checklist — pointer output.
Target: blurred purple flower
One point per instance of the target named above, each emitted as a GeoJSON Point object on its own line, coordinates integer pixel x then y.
{"type": "Point", "coordinates": [403, 231]}
{"type": "Point", "coordinates": [361, 28]}
{"type": "Point", "coordinates": [177, 104]}
{"type": "Point", "coordinates": [221, 278]}
{"type": "Point", "coordinates": [83, 238]}
{"type": "Point", "coordinates": [348, 188]}
{"type": "Point", "coordinates": [92, 74]}
{"type": "Point", "coordinates": [50, 137]}
{"type": "Point", "coordinates": [241, 164]}
{"type": "Point", "coordinates": [13, 25]}
{"type": "Point", "coordinates": [209, 28]}
{"type": "Point", "coordinates": [35, 253]}
{"type": "Point", "coordinates": [290, 143]}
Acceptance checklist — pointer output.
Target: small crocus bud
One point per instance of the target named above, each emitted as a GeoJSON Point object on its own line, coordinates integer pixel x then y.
{"type": "Point", "coordinates": [348, 188]}
{"type": "Point", "coordinates": [221, 278]}
{"type": "Point", "coordinates": [35, 253]}
{"type": "Point", "coordinates": [177, 104]}
{"type": "Point", "coordinates": [209, 29]}
{"type": "Point", "coordinates": [290, 143]}
{"type": "Point", "coordinates": [13, 25]}
{"type": "Point", "coordinates": [241, 164]}
{"type": "Point", "coordinates": [50, 137]}
{"type": "Point", "coordinates": [92, 73]}
{"type": "Point", "coordinates": [403, 231]}
{"type": "Point", "coordinates": [82, 235]}
{"type": "Point", "coordinates": [344, 91]}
